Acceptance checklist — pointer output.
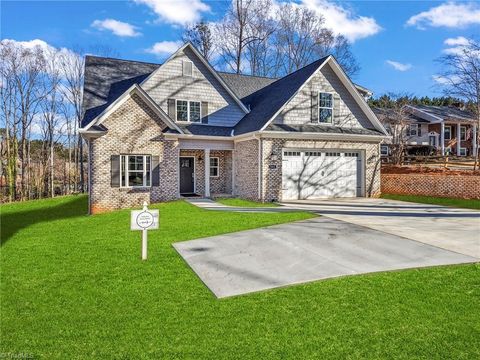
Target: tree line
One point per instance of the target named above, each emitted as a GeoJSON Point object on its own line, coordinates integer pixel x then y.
{"type": "Point", "coordinates": [266, 38]}
{"type": "Point", "coordinates": [42, 153]}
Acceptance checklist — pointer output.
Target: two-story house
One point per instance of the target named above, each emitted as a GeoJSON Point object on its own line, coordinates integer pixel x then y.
{"type": "Point", "coordinates": [444, 129]}
{"type": "Point", "coordinates": [158, 132]}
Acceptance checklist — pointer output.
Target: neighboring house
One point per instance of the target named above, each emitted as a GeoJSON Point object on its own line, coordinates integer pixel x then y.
{"type": "Point", "coordinates": [159, 132]}
{"type": "Point", "coordinates": [445, 129]}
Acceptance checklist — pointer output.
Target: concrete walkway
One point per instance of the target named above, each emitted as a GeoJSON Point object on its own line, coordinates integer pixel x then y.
{"type": "Point", "coordinates": [209, 204]}
{"type": "Point", "coordinates": [303, 251]}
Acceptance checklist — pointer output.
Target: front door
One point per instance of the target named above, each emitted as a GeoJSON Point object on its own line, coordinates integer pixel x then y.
{"type": "Point", "coordinates": [186, 175]}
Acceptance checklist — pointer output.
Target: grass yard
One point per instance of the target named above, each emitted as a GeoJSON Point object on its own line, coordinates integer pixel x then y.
{"type": "Point", "coordinates": [460, 203]}
{"type": "Point", "coordinates": [73, 287]}
{"type": "Point", "coordinates": [243, 203]}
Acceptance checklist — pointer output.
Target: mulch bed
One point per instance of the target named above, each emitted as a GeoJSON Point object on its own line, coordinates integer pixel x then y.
{"type": "Point", "coordinates": [391, 169]}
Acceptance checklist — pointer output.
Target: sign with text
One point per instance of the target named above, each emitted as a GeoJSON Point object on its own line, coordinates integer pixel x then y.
{"type": "Point", "coordinates": [144, 220]}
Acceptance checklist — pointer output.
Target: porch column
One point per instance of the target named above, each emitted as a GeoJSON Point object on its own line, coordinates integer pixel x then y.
{"type": "Point", "coordinates": [474, 140]}
{"type": "Point", "coordinates": [458, 140]}
{"type": "Point", "coordinates": [207, 172]}
{"type": "Point", "coordinates": [442, 137]}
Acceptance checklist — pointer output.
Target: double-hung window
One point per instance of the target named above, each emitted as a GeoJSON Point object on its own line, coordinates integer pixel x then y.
{"type": "Point", "coordinates": [325, 108]}
{"type": "Point", "coordinates": [135, 171]}
{"type": "Point", "coordinates": [413, 130]}
{"type": "Point", "coordinates": [447, 134]}
{"type": "Point", "coordinates": [214, 166]}
{"type": "Point", "coordinates": [188, 111]}
{"type": "Point", "coordinates": [463, 133]}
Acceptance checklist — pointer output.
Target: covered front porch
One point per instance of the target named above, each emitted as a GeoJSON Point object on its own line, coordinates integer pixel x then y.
{"type": "Point", "coordinates": [458, 138]}
{"type": "Point", "coordinates": [206, 172]}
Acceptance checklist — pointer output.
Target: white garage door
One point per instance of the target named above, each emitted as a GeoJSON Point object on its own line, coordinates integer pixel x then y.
{"type": "Point", "coordinates": [320, 174]}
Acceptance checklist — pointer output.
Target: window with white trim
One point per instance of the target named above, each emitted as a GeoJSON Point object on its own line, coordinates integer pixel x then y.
{"type": "Point", "coordinates": [463, 133]}
{"type": "Point", "coordinates": [447, 134]}
{"type": "Point", "coordinates": [135, 171]}
{"type": "Point", "coordinates": [413, 130]}
{"type": "Point", "coordinates": [214, 166]}
{"type": "Point", "coordinates": [325, 108]}
{"type": "Point", "coordinates": [189, 110]}
{"type": "Point", "coordinates": [463, 151]}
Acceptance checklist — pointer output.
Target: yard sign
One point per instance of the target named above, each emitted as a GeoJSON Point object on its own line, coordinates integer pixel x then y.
{"type": "Point", "coordinates": [144, 220]}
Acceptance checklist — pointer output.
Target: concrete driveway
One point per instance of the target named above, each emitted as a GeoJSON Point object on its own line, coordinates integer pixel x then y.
{"type": "Point", "coordinates": [444, 227]}
{"type": "Point", "coordinates": [303, 251]}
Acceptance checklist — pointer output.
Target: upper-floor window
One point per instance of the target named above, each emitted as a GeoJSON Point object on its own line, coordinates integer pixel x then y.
{"type": "Point", "coordinates": [187, 68]}
{"type": "Point", "coordinates": [188, 111]}
{"type": "Point", "coordinates": [447, 134]}
{"type": "Point", "coordinates": [413, 130]}
{"type": "Point", "coordinates": [463, 133]}
{"type": "Point", "coordinates": [325, 107]}
{"type": "Point", "coordinates": [135, 170]}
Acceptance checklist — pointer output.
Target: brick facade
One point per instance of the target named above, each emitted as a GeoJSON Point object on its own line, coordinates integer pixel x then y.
{"type": "Point", "coordinates": [218, 185]}
{"type": "Point", "coordinates": [246, 169]}
{"type": "Point", "coordinates": [133, 128]}
{"type": "Point", "coordinates": [272, 170]}
{"type": "Point", "coordinates": [453, 186]}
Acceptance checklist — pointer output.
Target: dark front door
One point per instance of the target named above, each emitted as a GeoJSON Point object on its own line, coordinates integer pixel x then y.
{"type": "Point", "coordinates": [186, 175]}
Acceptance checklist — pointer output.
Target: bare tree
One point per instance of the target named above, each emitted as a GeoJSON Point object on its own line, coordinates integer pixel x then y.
{"type": "Point", "coordinates": [72, 65]}
{"type": "Point", "coordinates": [395, 117]}
{"type": "Point", "coordinates": [232, 33]}
{"type": "Point", "coordinates": [339, 47]}
{"type": "Point", "coordinates": [201, 36]}
{"type": "Point", "coordinates": [461, 78]}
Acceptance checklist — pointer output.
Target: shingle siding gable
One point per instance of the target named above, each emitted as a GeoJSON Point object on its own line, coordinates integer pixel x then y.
{"type": "Point", "coordinates": [169, 83]}
{"type": "Point", "coordinates": [347, 113]}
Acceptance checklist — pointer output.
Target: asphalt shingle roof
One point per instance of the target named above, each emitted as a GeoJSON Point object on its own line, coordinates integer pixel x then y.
{"type": "Point", "coordinates": [106, 79]}
{"type": "Point", "coordinates": [383, 112]}
{"type": "Point", "coordinates": [324, 129]}
{"type": "Point", "coordinates": [265, 102]}
{"type": "Point", "coordinates": [446, 112]}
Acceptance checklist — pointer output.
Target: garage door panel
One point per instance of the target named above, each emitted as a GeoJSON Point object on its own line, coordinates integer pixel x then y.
{"type": "Point", "coordinates": [320, 174]}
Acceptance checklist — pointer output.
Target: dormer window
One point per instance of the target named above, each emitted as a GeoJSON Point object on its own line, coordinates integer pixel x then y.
{"type": "Point", "coordinates": [325, 108]}
{"type": "Point", "coordinates": [187, 68]}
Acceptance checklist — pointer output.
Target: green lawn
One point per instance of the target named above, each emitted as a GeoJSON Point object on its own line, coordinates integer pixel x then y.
{"type": "Point", "coordinates": [460, 203]}
{"type": "Point", "coordinates": [243, 203]}
{"type": "Point", "coordinates": [73, 287]}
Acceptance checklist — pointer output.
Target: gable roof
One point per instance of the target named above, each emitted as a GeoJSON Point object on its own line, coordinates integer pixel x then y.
{"type": "Point", "coordinates": [209, 68]}
{"type": "Point", "coordinates": [268, 101]}
{"type": "Point", "coordinates": [245, 85]}
{"type": "Point", "coordinates": [106, 79]}
{"type": "Point", "coordinates": [444, 112]}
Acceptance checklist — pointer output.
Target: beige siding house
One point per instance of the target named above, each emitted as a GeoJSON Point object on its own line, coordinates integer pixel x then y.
{"type": "Point", "coordinates": [180, 129]}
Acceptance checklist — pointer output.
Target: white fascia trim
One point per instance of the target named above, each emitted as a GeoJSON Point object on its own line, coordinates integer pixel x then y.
{"type": "Point", "coordinates": [208, 66]}
{"type": "Point", "coordinates": [91, 134]}
{"type": "Point", "coordinates": [110, 108]}
{"type": "Point", "coordinates": [295, 94]}
{"type": "Point", "coordinates": [358, 98]}
{"type": "Point", "coordinates": [125, 96]}
{"type": "Point", "coordinates": [153, 105]}
{"type": "Point", "coordinates": [322, 136]}
{"type": "Point", "coordinates": [196, 137]}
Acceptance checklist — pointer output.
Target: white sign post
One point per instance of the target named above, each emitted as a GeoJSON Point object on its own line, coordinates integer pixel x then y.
{"type": "Point", "coordinates": [144, 220]}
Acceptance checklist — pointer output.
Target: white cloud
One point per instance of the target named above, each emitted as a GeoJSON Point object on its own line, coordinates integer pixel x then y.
{"type": "Point", "coordinates": [344, 21]}
{"type": "Point", "coordinates": [178, 12]}
{"type": "Point", "coordinates": [399, 66]}
{"type": "Point", "coordinates": [119, 28]}
{"type": "Point", "coordinates": [164, 47]}
{"type": "Point", "coordinates": [450, 14]}
{"type": "Point", "coordinates": [456, 41]}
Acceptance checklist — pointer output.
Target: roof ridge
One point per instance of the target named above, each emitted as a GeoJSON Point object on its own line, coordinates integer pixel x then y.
{"type": "Point", "coordinates": [249, 75]}
{"type": "Point", "coordinates": [118, 59]}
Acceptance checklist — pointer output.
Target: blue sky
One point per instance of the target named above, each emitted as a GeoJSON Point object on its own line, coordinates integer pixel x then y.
{"type": "Point", "coordinates": [396, 42]}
